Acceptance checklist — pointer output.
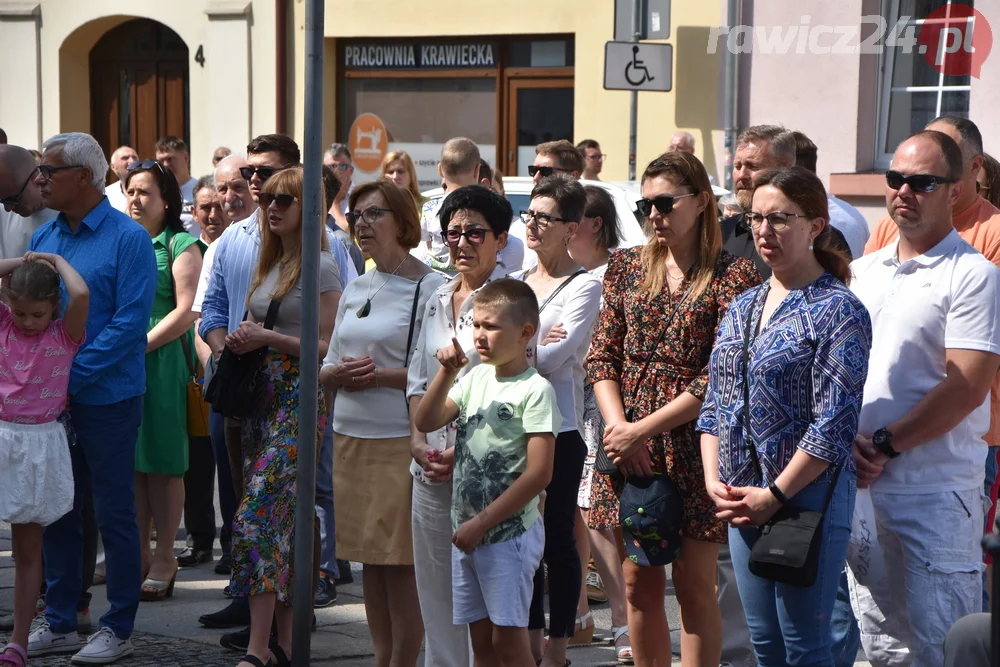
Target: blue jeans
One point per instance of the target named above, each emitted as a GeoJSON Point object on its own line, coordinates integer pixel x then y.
{"type": "Point", "coordinates": [846, 633]}
{"type": "Point", "coordinates": [104, 464]}
{"type": "Point", "coordinates": [227, 492]}
{"type": "Point", "coordinates": [790, 625]}
{"type": "Point", "coordinates": [324, 505]}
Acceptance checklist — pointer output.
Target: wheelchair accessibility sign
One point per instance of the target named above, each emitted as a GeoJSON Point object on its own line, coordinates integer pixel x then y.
{"type": "Point", "coordinates": [638, 66]}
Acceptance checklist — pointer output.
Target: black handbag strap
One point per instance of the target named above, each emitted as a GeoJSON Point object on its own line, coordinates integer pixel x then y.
{"type": "Point", "coordinates": [272, 313]}
{"type": "Point", "coordinates": [652, 351]}
{"type": "Point", "coordinates": [556, 291]}
{"type": "Point", "coordinates": [413, 321]}
{"type": "Point", "coordinates": [749, 333]}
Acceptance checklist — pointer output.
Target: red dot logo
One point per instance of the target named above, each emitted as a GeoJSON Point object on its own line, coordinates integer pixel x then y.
{"type": "Point", "coordinates": [955, 40]}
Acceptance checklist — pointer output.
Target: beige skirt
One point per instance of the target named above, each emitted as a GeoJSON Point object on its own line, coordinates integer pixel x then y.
{"type": "Point", "coordinates": [371, 494]}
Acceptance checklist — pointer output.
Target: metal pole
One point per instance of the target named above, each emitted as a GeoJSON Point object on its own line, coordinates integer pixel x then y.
{"type": "Point", "coordinates": [633, 110]}
{"type": "Point", "coordinates": [312, 227]}
{"type": "Point", "coordinates": [731, 103]}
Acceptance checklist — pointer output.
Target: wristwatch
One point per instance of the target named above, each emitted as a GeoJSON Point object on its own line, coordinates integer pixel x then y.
{"type": "Point", "coordinates": [882, 439]}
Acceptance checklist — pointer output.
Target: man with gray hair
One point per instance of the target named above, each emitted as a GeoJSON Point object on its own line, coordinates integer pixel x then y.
{"type": "Point", "coordinates": [107, 382]}
{"type": "Point", "coordinates": [758, 149]}
{"type": "Point", "coordinates": [682, 142]}
{"type": "Point", "coordinates": [120, 160]}
{"type": "Point", "coordinates": [338, 158]}
{"type": "Point", "coordinates": [22, 201]}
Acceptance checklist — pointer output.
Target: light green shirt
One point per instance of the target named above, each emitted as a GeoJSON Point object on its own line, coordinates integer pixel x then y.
{"type": "Point", "coordinates": [491, 444]}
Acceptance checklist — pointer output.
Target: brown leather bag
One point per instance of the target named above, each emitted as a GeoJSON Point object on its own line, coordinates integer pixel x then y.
{"type": "Point", "coordinates": [197, 408]}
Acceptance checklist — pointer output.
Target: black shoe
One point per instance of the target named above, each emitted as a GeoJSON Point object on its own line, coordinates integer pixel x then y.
{"type": "Point", "coordinates": [326, 593]}
{"type": "Point", "coordinates": [225, 565]}
{"type": "Point", "coordinates": [344, 567]}
{"type": "Point", "coordinates": [191, 557]}
{"type": "Point", "coordinates": [240, 641]}
{"type": "Point", "coordinates": [233, 616]}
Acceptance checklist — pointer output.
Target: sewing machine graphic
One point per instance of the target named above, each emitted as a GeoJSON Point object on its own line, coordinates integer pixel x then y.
{"type": "Point", "coordinates": [374, 137]}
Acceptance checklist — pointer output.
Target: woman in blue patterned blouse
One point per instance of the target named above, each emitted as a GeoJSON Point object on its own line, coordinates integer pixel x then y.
{"type": "Point", "coordinates": [809, 340]}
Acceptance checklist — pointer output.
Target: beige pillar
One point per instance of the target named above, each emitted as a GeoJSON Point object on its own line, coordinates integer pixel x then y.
{"type": "Point", "coordinates": [20, 83]}
{"type": "Point", "coordinates": [228, 74]}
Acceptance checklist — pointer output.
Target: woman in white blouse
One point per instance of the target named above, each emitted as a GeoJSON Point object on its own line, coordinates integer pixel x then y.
{"type": "Point", "coordinates": [474, 224]}
{"type": "Point", "coordinates": [570, 297]}
{"type": "Point", "coordinates": [378, 321]}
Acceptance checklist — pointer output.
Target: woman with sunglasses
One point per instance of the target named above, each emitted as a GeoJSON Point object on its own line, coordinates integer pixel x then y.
{"type": "Point", "coordinates": [378, 323]}
{"type": "Point", "coordinates": [264, 524]}
{"type": "Point", "coordinates": [474, 224]}
{"type": "Point", "coordinates": [798, 348]}
{"type": "Point", "coordinates": [568, 300]}
{"type": "Point", "coordinates": [161, 457]}
{"type": "Point", "coordinates": [662, 304]}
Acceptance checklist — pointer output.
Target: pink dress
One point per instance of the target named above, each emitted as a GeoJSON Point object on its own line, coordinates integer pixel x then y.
{"type": "Point", "coordinates": [36, 475]}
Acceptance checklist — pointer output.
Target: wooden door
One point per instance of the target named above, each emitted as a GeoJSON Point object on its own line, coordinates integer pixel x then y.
{"type": "Point", "coordinates": [537, 109]}
{"type": "Point", "coordinates": [139, 87]}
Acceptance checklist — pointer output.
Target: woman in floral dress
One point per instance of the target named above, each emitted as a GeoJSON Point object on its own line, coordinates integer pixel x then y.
{"type": "Point", "coordinates": [684, 280]}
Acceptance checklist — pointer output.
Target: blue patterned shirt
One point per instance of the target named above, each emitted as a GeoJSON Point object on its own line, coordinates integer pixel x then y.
{"type": "Point", "coordinates": [808, 367]}
{"type": "Point", "coordinates": [114, 255]}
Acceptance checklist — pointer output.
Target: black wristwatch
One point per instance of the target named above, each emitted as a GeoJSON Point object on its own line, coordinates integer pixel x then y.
{"type": "Point", "coordinates": [882, 439]}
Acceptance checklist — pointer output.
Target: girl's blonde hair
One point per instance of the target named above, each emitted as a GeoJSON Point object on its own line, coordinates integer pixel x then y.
{"type": "Point", "coordinates": [285, 182]}
{"type": "Point", "coordinates": [407, 161]}
{"type": "Point", "coordinates": [34, 281]}
{"type": "Point", "coordinates": [686, 171]}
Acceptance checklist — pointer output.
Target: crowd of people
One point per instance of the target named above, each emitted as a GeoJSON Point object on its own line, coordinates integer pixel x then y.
{"type": "Point", "coordinates": [797, 415]}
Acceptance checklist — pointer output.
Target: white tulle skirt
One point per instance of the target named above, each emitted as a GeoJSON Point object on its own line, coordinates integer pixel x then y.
{"type": "Point", "coordinates": [36, 474]}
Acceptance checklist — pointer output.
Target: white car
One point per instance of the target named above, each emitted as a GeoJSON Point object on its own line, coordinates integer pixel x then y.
{"type": "Point", "coordinates": [518, 193]}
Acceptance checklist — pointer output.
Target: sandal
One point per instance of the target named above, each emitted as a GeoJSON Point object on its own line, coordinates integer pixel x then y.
{"type": "Point", "coordinates": [281, 658]}
{"type": "Point", "coordinates": [255, 661]}
{"type": "Point", "coordinates": [624, 653]}
{"type": "Point", "coordinates": [154, 590]}
{"type": "Point", "coordinates": [583, 630]}
{"type": "Point", "coordinates": [19, 657]}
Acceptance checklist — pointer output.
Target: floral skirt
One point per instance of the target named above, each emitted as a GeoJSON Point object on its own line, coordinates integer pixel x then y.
{"type": "Point", "coordinates": [264, 525]}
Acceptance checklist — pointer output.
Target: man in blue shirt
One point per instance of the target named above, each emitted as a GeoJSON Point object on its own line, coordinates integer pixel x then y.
{"type": "Point", "coordinates": [108, 379]}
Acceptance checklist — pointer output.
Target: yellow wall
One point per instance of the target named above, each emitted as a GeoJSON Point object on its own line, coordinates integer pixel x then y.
{"type": "Point", "coordinates": [599, 114]}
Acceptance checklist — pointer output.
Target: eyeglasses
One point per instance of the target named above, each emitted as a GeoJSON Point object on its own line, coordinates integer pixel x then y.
{"type": "Point", "coordinates": [146, 164]}
{"type": "Point", "coordinates": [542, 220]}
{"type": "Point", "coordinates": [16, 199]}
{"type": "Point", "coordinates": [476, 237]}
{"type": "Point", "coordinates": [280, 201]}
{"type": "Point", "coordinates": [917, 182]}
{"type": "Point", "coordinates": [545, 171]}
{"type": "Point", "coordinates": [664, 204]}
{"type": "Point", "coordinates": [46, 171]}
{"type": "Point", "coordinates": [776, 221]}
{"type": "Point", "coordinates": [263, 172]}
{"type": "Point", "coordinates": [339, 166]}
{"type": "Point", "coordinates": [598, 156]}
{"type": "Point", "coordinates": [369, 215]}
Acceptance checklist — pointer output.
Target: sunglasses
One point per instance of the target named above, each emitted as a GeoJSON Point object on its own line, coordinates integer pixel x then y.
{"type": "Point", "coordinates": [664, 204]}
{"type": "Point", "coordinates": [46, 171]}
{"type": "Point", "coordinates": [776, 221]}
{"type": "Point", "coordinates": [917, 182]}
{"type": "Point", "coordinates": [16, 199]}
{"type": "Point", "coordinates": [280, 201]}
{"type": "Point", "coordinates": [263, 172]}
{"type": "Point", "coordinates": [476, 237]}
{"type": "Point", "coordinates": [145, 164]}
{"type": "Point", "coordinates": [369, 215]}
{"type": "Point", "coordinates": [545, 171]}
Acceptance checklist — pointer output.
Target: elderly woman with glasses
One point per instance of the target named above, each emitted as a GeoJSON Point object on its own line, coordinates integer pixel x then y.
{"type": "Point", "coordinates": [474, 224]}
{"type": "Point", "coordinates": [662, 304]}
{"type": "Point", "coordinates": [161, 457]}
{"type": "Point", "coordinates": [379, 320]}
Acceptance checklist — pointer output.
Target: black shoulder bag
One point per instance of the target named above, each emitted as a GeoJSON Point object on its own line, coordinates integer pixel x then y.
{"type": "Point", "coordinates": [788, 545]}
{"type": "Point", "coordinates": [602, 463]}
{"type": "Point", "coordinates": [234, 386]}
{"type": "Point", "coordinates": [409, 336]}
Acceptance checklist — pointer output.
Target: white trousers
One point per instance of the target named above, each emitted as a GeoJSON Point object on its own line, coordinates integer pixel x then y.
{"type": "Point", "coordinates": [445, 644]}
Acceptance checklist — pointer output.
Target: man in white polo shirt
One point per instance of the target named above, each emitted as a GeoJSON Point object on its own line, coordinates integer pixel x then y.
{"type": "Point", "coordinates": [933, 301]}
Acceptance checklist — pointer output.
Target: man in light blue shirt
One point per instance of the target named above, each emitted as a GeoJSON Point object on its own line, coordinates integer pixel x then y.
{"type": "Point", "coordinates": [115, 256]}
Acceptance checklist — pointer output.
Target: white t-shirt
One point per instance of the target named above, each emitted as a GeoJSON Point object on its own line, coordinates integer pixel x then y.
{"type": "Point", "coordinates": [116, 197]}
{"type": "Point", "coordinates": [16, 231]}
{"type": "Point", "coordinates": [191, 225]}
{"type": "Point", "coordinates": [944, 299]}
{"type": "Point", "coordinates": [206, 272]}
{"type": "Point", "coordinates": [377, 412]}
{"type": "Point", "coordinates": [848, 221]}
{"type": "Point", "coordinates": [576, 307]}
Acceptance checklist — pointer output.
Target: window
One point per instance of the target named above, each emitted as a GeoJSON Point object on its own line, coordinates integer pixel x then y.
{"type": "Point", "coordinates": [913, 92]}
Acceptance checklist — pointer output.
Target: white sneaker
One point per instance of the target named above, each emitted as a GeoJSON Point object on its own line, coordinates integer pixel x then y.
{"type": "Point", "coordinates": [42, 641]}
{"type": "Point", "coordinates": [103, 648]}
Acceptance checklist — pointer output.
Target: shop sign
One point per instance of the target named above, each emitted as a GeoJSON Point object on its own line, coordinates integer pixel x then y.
{"type": "Point", "coordinates": [368, 142]}
{"type": "Point", "coordinates": [420, 55]}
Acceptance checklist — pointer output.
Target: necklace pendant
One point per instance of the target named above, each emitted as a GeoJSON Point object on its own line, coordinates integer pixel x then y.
{"type": "Point", "coordinates": [364, 310]}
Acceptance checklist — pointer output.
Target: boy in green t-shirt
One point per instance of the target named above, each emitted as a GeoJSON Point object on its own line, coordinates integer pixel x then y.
{"type": "Point", "coordinates": [508, 421]}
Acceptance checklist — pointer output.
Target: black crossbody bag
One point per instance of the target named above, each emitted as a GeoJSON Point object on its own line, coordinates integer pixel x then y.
{"type": "Point", "coordinates": [233, 388]}
{"type": "Point", "coordinates": [788, 545]}
{"type": "Point", "coordinates": [602, 463]}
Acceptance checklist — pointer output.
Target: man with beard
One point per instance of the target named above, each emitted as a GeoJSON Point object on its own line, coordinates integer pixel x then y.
{"type": "Point", "coordinates": [23, 211]}
{"type": "Point", "coordinates": [758, 149]}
